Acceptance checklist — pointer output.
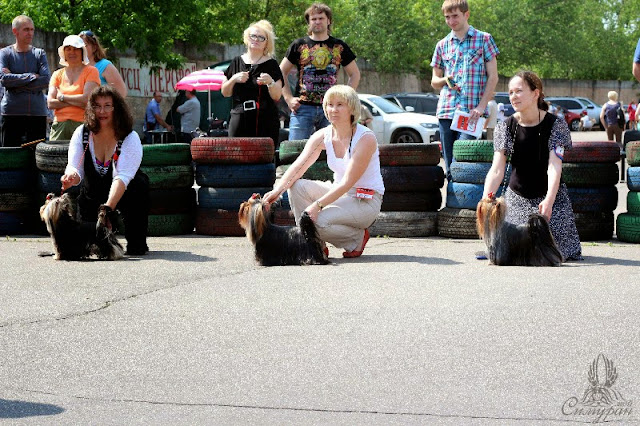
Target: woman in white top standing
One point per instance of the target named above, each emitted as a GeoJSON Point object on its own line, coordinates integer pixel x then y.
{"type": "Point", "coordinates": [345, 208]}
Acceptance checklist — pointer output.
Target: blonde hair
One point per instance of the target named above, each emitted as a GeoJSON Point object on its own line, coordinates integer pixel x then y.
{"type": "Point", "coordinates": [347, 94]}
{"type": "Point", "coordinates": [613, 96]}
{"type": "Point", "coordinates": [266, 27]}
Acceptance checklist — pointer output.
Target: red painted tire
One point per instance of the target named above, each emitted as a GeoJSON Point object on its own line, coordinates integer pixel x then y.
{"type": "Point", "coordinates": [232, 150]}
{"type": "Point", "coordinates": [218, 222]}
{"type": "Point", "coordinates": [593, 152]}
{"type": "Point", "coordinates": [409, 154]}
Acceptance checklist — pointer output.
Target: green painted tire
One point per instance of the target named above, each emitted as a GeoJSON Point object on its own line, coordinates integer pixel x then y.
{"type": "Point", "coordinates": [589, 174]}
{"type": "Point", "coordinates": [16, 158]}
{"type": "Point", "coordinates": [167, 177]}
{"type": "Point", "coordinates": [628, 228]}
{"type": "Point", "coordinates": [633, 202]}
{"type": "Point", "coordinates": [169, 154]}
{"type": "Point", "coordinates": [477, 151]}
{"type": "Point", "coordinates": [169, 224]}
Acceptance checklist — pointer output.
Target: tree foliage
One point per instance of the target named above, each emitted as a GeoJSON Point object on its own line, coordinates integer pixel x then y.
{"type": "Point", "coordinates": [591, 39]}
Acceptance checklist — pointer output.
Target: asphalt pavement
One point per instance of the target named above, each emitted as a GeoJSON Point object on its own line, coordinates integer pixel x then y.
{"type": "Point", "coordinates": [416, 331]}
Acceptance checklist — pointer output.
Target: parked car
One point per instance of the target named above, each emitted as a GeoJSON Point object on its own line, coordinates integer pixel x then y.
{"type": "Point", "coordinates": [392, 124]}
{"type": "Point", "coordinates": [578, 105]}
{"type": "Point", "coordinates": [423, 103]}
{"type": "Point", "coordinates": [572, 119]}
{"type": "Point", "coordinates": [503, 97]}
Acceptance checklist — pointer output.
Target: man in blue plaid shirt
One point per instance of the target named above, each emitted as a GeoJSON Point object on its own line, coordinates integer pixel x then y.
{"type": "Point", "coordinates": [465, 71]}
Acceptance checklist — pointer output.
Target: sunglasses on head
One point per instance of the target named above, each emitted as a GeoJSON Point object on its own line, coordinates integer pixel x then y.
{"type": "Point", "coordinates": [88, 33]}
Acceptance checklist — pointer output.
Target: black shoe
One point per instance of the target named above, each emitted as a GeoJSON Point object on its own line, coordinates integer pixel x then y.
{"type": "Point", "coordinates": [137, 250]}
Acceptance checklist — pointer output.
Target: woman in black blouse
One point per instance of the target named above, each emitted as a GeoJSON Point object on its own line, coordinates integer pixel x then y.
{"type": "Point", "coordinates": [255, 81]}
{"type": "Point", "coordinates": [535, 140]}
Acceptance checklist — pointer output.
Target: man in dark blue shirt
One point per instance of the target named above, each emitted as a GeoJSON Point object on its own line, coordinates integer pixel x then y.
{"type": "Point", "coordinates": [24, 73]}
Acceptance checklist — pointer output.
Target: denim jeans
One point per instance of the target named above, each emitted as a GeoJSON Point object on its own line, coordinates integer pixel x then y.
{"type": "Point", "coordinates": [447, 137]}
{"type": "Point", "coordinates": [305, 120]}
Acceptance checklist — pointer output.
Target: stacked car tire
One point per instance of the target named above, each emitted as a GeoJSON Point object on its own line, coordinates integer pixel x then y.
{"type": "Point", "coordinates": [16, 195]}
{"type": "Point", "coordinates": [590, 172]}
{"type": "Point", "coordinates": [628, 224]}
{"type": "Point", "coordinates": [229, 171]}
{"type": "Point", "coordinates": [171, 194]}
{"type": "Point", "coordinates": [288, 153]}
{"type": "Point", "coordinates": [51, 162]}
{"type": "Point", "coordinates": [468, 173]}
{"type": "Point", "coordinates": [413, 182]}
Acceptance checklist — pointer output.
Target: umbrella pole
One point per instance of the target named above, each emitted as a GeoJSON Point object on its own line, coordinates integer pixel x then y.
{"type": "Point", "coordinates": [210, 118]}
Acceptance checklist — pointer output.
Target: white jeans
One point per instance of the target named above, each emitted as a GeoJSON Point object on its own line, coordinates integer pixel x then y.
{"type": "Point", "coordinates": [341, 223]}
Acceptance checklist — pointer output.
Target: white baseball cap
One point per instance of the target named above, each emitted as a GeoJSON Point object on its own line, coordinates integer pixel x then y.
{"type": "Point", "coordinates": [73, 41]}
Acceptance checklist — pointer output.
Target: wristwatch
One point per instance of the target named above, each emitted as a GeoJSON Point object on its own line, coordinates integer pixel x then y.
{"type": "Point", "coordinates": [273, 83]}
{"type": "Point", "coordinates": [61, 97]}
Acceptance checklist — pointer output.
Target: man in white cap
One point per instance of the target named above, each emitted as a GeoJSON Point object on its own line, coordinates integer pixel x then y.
{"type": "Point", "coordinates": [24, 73]}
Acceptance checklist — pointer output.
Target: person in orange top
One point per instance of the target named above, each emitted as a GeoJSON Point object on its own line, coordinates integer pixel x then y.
{"type": "Point", "coordinates": [69, 88]}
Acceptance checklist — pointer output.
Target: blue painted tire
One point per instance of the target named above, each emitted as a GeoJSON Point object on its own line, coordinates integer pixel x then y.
{"type": "Point", "coordinates": [633, 178]}
{"type": "Point", "coordinates": [601, 199]}
{"type": "Point", "coordinates": [465, 195]}
{"type": "Point", "coordinates": [236, 175]}
{"type": "Point", "coordinates": [226, 198]}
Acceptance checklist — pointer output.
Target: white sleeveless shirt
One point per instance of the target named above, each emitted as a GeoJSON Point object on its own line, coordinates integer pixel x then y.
{"type": "Point", "coordinates": [371, 178]}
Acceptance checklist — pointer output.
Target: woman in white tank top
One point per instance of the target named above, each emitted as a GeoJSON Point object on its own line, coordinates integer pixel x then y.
{"type": "Point", "coordinates": [345, 208]}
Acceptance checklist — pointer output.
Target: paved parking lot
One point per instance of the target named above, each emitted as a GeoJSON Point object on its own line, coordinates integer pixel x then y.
{"type": "Point", "coordinates": [414, 332]}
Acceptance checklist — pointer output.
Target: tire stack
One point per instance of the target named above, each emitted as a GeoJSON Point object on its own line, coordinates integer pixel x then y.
{"type": "Point", "coordinates": [468, 172]}
{"type": "Point", "coordinates": [51, 162]}
{"type": "Point", "coordinates": [287, 154]}
{"type": "Point", "coordinates": [590, 172]}
{"type": "Point", "coordinates": [413, 182]}
{"type": "Point", "coordinates": [171, 193]}
{"type": "Point", "coordinates": [229, 171]}
{"type": "Point", "coordinates": [628, 224]}
{"type": "Point", "coordinates": [17, 210]}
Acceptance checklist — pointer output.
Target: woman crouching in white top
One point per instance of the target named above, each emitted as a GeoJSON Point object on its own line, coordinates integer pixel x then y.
{"type": "Point", "coordinates": [104, 158]}
{"type": "Point", "coordinates": [344, 209]}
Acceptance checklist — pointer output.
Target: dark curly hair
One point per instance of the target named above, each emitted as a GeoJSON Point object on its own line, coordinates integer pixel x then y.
{"type": "Point", "coordinates": [122, 119]}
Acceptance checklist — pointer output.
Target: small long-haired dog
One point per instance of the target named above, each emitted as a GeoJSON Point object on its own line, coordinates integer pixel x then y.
{"type": "Point", "coordinates": [529, 244]}
{"type": "Point", "coordinates": [280, 245]}
{"type": "Point", "coordinates": [74, 239]}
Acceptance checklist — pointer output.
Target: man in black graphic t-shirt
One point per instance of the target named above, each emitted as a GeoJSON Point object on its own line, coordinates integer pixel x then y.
{"type": "Point", "coordinates": [318, 58]}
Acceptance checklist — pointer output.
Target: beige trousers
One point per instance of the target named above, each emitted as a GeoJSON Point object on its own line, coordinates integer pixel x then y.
{"type": "Point", "coordinates": [341, 223]}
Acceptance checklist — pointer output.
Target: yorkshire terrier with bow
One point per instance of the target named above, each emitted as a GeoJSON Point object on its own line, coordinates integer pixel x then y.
{"type": "Point", "coordinates": [529, 244]}
{"type": "Point", "coordinates": [280, 245]}
{"type": "Point", "coordinates": [74, 239]}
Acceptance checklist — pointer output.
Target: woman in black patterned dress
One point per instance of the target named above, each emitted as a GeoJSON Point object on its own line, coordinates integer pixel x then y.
{"type": "Point", "coordinates": [536, 183]}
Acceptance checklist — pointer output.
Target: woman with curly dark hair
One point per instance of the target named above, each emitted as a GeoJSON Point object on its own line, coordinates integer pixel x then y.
{"type": "Point", "coordinates": [104, 156]}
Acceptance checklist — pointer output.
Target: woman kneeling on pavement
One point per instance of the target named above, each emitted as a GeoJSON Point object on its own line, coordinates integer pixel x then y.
{"type": "Point", "coordinates": [104, 156]}
{"type": "Point", "coordinates": [344, 209]}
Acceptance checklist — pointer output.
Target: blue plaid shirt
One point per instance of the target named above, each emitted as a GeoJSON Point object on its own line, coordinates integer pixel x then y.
{"type": "Point", "coordinates": [465, 60]}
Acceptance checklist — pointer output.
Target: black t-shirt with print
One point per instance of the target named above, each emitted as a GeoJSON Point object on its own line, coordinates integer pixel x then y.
{"type": "Point", "coordinates": [318, 63]}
